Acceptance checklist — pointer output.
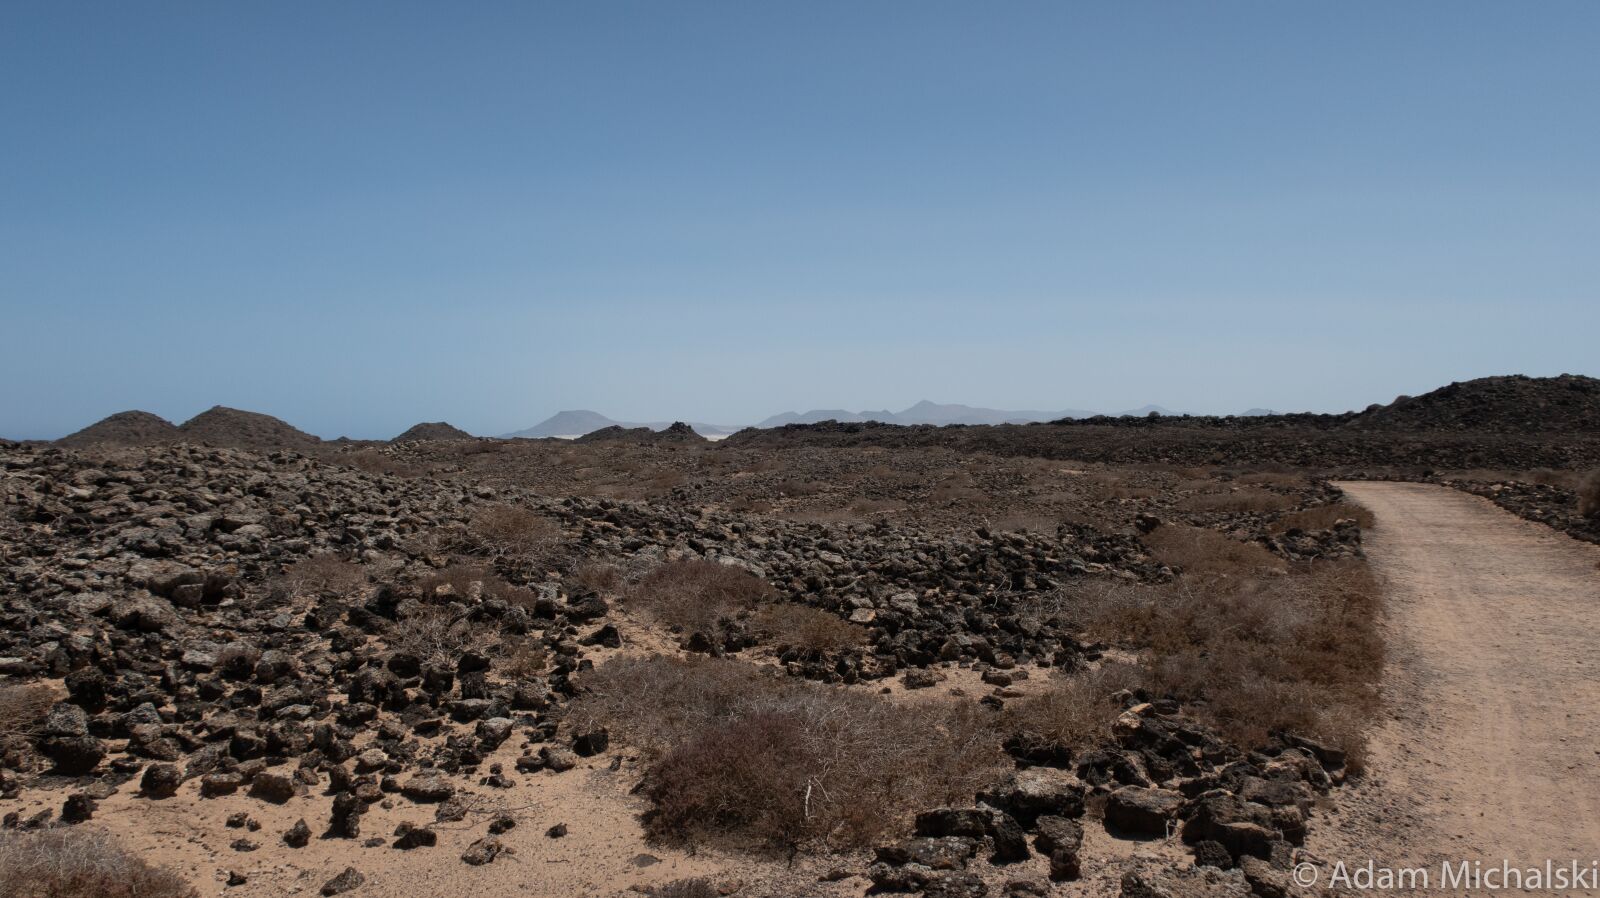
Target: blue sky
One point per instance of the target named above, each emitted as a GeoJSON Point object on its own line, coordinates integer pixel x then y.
{"type": "Point", "coordinates": [358, 216]}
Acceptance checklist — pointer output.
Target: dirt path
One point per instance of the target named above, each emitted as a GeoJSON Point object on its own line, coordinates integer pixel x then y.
{"type": "Point", "coordinates": [1491, 746]}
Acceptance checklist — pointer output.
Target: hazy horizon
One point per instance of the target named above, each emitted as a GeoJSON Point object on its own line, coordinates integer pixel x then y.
{"type": "Point", "coordinates": [362, 216]}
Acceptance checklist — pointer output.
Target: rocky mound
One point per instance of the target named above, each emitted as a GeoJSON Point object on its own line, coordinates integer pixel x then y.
{"type": "Point", "coordinates": [434, 430]}
{"type": "Point", "coordinates": [231, 427]}
{"type": "Point", "coordinates": [131, 428]}
{"type": "Point", "coordinates": [1511, 404]}
{"type": "Point", "coordinates": [678, 432]}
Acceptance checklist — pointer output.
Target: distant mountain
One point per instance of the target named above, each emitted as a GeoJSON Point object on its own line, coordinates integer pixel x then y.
{"type": "Point", "coordinates": [572, 423]}
{"type": "Point", "coordinates": [579, 422]}
{"type": "Point", "coordinates": [826, 414]}
{"type": "Point", "coordinates": [924, 412]}
{"type": "Point", "coordinates": [1257, 413]}
{"type": "Point", "coordinates": [1144, 410]}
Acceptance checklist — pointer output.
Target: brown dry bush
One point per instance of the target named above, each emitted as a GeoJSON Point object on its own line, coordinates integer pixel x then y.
{"type": "Point", "coordinates": [22, 709]}
{"type": "Point", "coordinates": [1239, 501]}
{"type": "Point", "coordinates": [80, 862]}
{"type": "Point", "coordinates": [748, 505]}
{"type": "Point", "coordinates": [1074, 712]}
{"type": "Point", "coordinates": [326, 573]}
{"type": "Point", "coordinates": [1272, 478]}
{"type": "Point", "coordinates": [1200, 552]}
{"type": "Point", "coordinates": [698, 887]}
{"type": "Point", "coordinates": [523, 657]}
{"type": "Point", "coordinates": [1589, 496]}
{"type": "Point", "coordinates": [437, 633]}
{"type": "Point", "coordinates": [1323, 517]}
{"type": "Point", "coordinates": [375, 461]}
{"type": "Point", "coordinates": [523, 542]}
{"type": "Point", "coordinates": [695, 595]}
{"type": "Point", "coordinates": [598, 576]}
{"type": "Point", "coordinates": [1300, 652]}
{"type": "Point", "coordinates": [806, 629]}
{"type": "Point", "coordinates": [767, 761]}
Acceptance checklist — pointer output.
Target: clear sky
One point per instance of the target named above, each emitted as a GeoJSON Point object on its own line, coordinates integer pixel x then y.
{"type": "Point", "coordinates": [357, 216]}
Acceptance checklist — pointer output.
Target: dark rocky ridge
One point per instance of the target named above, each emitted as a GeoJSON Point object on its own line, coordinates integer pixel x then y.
{"type": "Point", "coordinates": [435, 430]}
{"type": "Point", "coordinates": [677, 432]}
{"type": "Point", "coordinates": [238, 429]}
{"type": "Point", "coordinates": [131, 428]}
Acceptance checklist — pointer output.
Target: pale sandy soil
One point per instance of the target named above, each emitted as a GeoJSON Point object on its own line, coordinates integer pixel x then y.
{"type": "Point", "coordinates": [1491, 744]}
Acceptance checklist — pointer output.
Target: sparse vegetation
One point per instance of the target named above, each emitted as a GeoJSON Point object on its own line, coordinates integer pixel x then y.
{"type": "Point", "coordinates": [1075, 712]}
{"type": "Point", "coordinates": [79, 862]}
{"type": "Point", "coordinates": [805, 629]}
{"type": "Point", "coordinates": [1589, 496]}
{"type": "Point", "coordinates": [326, 573]}
{"type": "Point", "coordinates": [1239, 501]}
{"type": "Point", "coordinates": [1323, 517]}
{"type": "Point", "coordinates": [22, 709]}
{"type": "Point", "coordinates": [1203, 553]}
{"type": "Point", "coordinates": [693, 595]}
{"type": "Point", "coordinates": [1299, 652]}
{"type": "Point", "coordinates": [522, 542]}
{"type": "Point", "coordinates": [438, 633]}
{"type": "Point", "coordinates": [763, 760]}
{"type": "Point", "coordinates": [697, 887]}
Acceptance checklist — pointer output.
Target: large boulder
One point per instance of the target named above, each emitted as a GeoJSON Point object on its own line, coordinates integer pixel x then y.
{"type": "Point", "coordinates": [1242, 827]}
{"type": "Point", "coordinates": [1138, 811]}
{"type": "Point", "coordinates": [1037, 791]}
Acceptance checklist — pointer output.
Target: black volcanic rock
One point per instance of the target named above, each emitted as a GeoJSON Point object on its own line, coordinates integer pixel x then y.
{"type": "Point", "coordinates": [1511, 404]}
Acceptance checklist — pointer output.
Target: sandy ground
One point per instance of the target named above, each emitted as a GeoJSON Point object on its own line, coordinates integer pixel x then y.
{"type": "Point", "coordinates": [1491, 746]}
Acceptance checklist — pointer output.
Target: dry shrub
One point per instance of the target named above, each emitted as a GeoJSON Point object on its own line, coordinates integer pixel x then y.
{"type": "Point", "coordinates": [524, 657]}
{"type": "Point", "coordinates": [23, 709]}
{"type": "Point", "coordinates": [598, 576]}
{"type": "Point", "coordinates": [521, 541]}
{"type": "Point", "coordinates": [1271, 478]}
{"type": "Point", "coordinates": [326, 573]}
{"type": "Point", "coordinates": [699, 887]}
{"type": "Point", "coordinates": [956, 489]}
{"type": "Point", "coordinates": [768, 761]}
{"type": "Point", "coordinates": [1200, 552]}
{"type": "Point", "coordinates": [696, 595]}
{"type": "Point", "coordinates": [375, 461]}
{"type": "Point", "coordinates": [437, 633]}
{"type": "Point", "coordinates": [1075, 712]}
{"type": "Point", "coordinates": [80, 862]}
{"type": "Point", "coordinates": [1238, 501]}
{"type": "Point", "coordinates": [1323, 517]}
{"type": "Point", "coordinates": [1589, 496]}
{"type": "Point", "coordinates": [1032, 523]}
{"type": "Point", "coordinates": [1300, 652]}
{"type": "Point", "coordinates": [806, 629]}
{"type": "Point", "coordinates": [748, 505]}
{"type": "Point", "coordinates": [470, 582]}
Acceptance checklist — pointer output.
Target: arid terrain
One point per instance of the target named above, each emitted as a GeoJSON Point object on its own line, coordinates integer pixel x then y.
{"type": "Point", "coordinates": [1140, 656]}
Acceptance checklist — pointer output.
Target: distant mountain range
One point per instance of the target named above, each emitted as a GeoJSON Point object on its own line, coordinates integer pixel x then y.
{"type": "Point", "coordinates": [577, 422]}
